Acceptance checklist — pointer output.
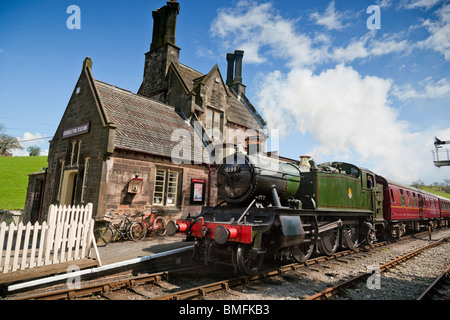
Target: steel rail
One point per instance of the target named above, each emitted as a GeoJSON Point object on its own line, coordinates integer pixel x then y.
{"type": "Point", "coordinates": [327, 293]}
{"type": "Point", "coordinates": [203, 290]}
{"type": "Point", "coordinates": [96, 270]}
{"type": "Point", "coordinates": [443, 277]}
{"type": "Point", "coordinates": [100, 287]}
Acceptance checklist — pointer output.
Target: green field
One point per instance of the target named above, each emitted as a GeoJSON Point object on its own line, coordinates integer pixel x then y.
{"type": "Point", "coordinates": [14, 173]}
{"type": "Point", "coordinates": [439, 191]}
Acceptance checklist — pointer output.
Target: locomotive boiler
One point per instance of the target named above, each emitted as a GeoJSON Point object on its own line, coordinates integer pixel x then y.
{"type": "Point", "coordinates": [285, 209]}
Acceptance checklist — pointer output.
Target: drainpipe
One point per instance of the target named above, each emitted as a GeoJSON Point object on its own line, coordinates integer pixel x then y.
{"type": "Point", "coordinates": [41, 197]}
{"type": "Point", "coordinates": [209, 185]}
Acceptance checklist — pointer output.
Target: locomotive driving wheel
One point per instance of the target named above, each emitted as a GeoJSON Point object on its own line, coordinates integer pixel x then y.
{"type": "Point", "coordinates": [249, 261]}
{"type": "Point", "coordinates": [329, 242]}
{"type": "Point", "coordinates": [350, 237]}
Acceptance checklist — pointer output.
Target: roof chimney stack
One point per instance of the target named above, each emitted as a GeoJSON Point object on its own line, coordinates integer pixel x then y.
{"type": "Point", "coordinates": [163, 52]}
{"type": "Point", "coordinates": [230, 70]}
{"type": "Point", "coordinates": [235, 62]}
{"type": "Point", "coordinates": [238, 55]}
{"type": "Point", "coordinates": [165, 24]}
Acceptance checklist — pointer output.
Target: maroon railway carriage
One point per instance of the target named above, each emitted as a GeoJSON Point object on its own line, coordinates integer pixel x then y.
{"type": "Point", "coordinates": [406, 207]}
{"type": "Point", "coordinates": [404, 203]}
{"type": "Point", "coordinates": [444, 205]}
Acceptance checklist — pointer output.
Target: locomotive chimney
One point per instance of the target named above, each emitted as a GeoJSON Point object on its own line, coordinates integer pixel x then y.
{"type": "Point", "coordinates": [304, 161]}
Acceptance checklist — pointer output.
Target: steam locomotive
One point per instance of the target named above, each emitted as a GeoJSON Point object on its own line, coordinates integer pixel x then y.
{"type": "Point", "coordinates": [294, 209]}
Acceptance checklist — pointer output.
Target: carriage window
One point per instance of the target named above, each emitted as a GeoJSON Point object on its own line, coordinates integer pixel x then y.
{"type": "Point", "coordinates": [408, 198]}
{"type": "Point", "coordinates": [402, 197]}
{"type": "Point", "coordinates": [392, 196]}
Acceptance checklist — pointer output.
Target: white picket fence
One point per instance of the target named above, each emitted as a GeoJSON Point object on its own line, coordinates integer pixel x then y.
{"type": "Point", "coordinates": [67, 235]}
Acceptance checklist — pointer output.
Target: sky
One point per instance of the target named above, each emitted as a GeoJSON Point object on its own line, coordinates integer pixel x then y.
{"type": "Point", "coordinates": [365, 82]}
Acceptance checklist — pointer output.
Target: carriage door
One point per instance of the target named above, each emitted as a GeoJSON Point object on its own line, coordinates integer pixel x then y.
{"type": "Point", "coordinates": [420, 206]}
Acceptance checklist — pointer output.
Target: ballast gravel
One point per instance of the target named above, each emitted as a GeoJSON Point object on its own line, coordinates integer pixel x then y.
{"type": "Point", "coordinates": [404, 282]}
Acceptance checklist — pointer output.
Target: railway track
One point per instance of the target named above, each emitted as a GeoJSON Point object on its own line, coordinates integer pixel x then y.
{"type": "Point", "coordinates": [439, 289]}
{"type": "Point", "coordinates": [173, 286]}
{"type": "Point", "coordinates": [291, 273]}
{"type": "Point", "coordinates": [331, 291]}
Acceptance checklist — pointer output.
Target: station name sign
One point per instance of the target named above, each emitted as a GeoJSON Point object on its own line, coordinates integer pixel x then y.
{"type": "Point", "coordinates": [75, 131]}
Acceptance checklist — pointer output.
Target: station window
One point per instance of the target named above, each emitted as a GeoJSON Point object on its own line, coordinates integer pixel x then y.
{"type": "Point", "coordinates": [166, 187]}
{"type": "Point", "coordinates": [73, 156]}
{"type": "Point", "coordinates": [214, 123]}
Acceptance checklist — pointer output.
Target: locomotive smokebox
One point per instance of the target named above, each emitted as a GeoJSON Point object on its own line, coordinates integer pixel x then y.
{"type": "Point", "coordinates": [243, 177]}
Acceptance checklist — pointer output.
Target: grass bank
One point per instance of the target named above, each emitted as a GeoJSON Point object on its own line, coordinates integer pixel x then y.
{"type": "Point", "coordinates": [14, 173]}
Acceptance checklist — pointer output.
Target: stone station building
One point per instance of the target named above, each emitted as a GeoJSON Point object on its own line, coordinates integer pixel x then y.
{"type": "Point", "coordinates": [153, 150]}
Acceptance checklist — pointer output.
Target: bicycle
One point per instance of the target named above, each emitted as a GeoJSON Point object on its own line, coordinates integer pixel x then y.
{"type": "Point", "coordinates": [110, 232]}
{"type": "Point", "coordinates": [148, 223]}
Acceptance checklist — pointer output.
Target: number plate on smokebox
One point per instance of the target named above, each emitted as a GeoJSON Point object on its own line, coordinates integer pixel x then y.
{"type": "Point", "coordinates": [232, 169]}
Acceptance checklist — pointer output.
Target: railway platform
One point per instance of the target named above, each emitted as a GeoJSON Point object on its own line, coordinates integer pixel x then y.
{"type": "Point", "coordinates": [152, 252]}
{"type": "Point", "coordinates": [116, 252]}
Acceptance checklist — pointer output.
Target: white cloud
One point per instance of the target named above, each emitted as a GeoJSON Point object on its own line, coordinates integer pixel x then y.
{"type": "Point", "coordinates": [349, 116]}
{"type": "Point", "coordinates": [345, 113]}
{"type": "Point", "coordinates": [255, 27]}
{"type": "Point", "coordinates": [367, 46]}
{"type": "Point", "coordinates": [429, 90]}
{"type": "Point", "coordinates": [384, 3]}
{"type": "Point", "coordinates": [439, 39]}
{"type": "Point", "coordinates": [331, 19]}
{"type": "Point", "coordinates": [30, 139]}
{"type": "Point", "coordinates": [260, 31]}
{"type": "Point", "coordinates": [413, 4]}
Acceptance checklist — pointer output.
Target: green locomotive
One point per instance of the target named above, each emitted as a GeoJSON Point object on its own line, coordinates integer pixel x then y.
{"type": "Point", "coordinates": [283, 208]}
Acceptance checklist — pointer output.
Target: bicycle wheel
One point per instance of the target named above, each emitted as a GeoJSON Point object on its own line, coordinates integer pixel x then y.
{"type": "Point", "coordinates": [137, 231]}
{"type": "Point", "coordinates": [103, 235]}
{"type": "Point", "coordinates": [159, 226]}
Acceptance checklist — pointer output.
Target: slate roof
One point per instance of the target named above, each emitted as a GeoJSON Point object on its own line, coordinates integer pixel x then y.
{"type": "Point", "coordinates": [240, 111]}
{"type": "Point", "coordinates": [143, 124]}
{"type": "Point", "coordinates": [188, 75]}
{"type": "Point", "coordinates": [241, 114]}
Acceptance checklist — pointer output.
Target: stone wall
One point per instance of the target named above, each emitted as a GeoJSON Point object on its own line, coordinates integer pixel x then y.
{"type": "Point", "coordinates": [124, 166]}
